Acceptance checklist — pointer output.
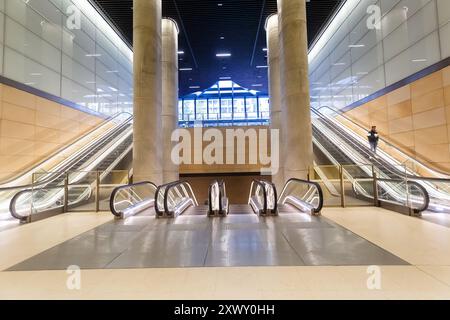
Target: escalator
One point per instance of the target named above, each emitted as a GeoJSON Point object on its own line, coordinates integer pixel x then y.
{"type": "Point", "coordinates": [49, 194]}
{"type": "Point", "coordinates": [398, 183]}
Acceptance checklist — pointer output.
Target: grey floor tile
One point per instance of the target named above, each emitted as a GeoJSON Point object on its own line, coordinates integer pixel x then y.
{"type": "Point", "coordinates": [50, 260]}
{"type": "Point", "coordinates": [291, 238]}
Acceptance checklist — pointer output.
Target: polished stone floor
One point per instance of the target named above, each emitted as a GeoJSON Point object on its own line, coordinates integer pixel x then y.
{"type": "Point", "coordinates": [194, 240]}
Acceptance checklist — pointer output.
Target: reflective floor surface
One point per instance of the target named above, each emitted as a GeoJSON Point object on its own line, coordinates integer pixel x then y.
{"type": "Point", "coordinates": [194, 240]}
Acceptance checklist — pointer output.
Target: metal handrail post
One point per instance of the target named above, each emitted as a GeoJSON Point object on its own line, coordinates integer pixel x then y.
{"type": "Point", "coordinates": [97, 191]}
{"type": "Point", "coordinates": [341, 180]}
{"type": "Point", "coordinates": [66, 193]}
{"type": "Point", "coordinates": [375, 187]}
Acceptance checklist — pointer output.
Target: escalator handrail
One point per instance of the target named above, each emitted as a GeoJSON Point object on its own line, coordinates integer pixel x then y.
{"type": "Point", "coordinates": [74, 161]}
{"type": "Point", "coordinates": [382, 162]}
{"type": "Point", "coordinates": [340, 113]}
{"type": "Point", "coordinates": [416, 184]}
{"type": "Point", "coordinates": [12, 204]}
{"type": "Point", "coordinates": [124, 187]}
{"type": "Point", "coordinates": [356, 145]}
{"type": "Point", "coordinates": [263, 187]}
{"type": "Point", "coordinates": [221, 184]}
{"type": "Point", "coordinates": [311, 183]}
{"type": "Point", "coordinates": [168, 187]}
{"type": "Point", "coordinates": [105, 122]}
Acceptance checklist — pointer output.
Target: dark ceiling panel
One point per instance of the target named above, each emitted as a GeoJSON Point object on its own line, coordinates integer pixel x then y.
{"type": "Point", "coordinates": [236, 27]}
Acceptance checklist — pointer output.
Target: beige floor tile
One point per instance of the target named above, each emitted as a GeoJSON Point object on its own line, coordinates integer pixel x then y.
{"type": "Point", "coordinates": [395, 233]}
{"type": "Point", "coordinates": [21, 243]}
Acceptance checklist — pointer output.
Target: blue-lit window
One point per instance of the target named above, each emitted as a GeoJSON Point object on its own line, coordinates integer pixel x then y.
{"type": "Point", "coordinates": [252, 108]}
{"type": "Point", "coordinates": [223, 104]}
{"type": "Point", "coordinates": [188, 110]}
{"type": "Point", "coordinates": [227, 109]}
{"type": "Point", "coordinates": [264, 108]}
{"type": "Point", "coordinates": [239, 108]}
{"type": "Point", "coordinates": [202, 109]}
{"type": "Point", "coordinates": [214, 109]}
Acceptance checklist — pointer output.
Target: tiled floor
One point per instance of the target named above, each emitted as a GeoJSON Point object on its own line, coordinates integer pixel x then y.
{"type": "Point", "coordinates": [421, 243]}
{"type": "Point", "coordinates": [240, 239]}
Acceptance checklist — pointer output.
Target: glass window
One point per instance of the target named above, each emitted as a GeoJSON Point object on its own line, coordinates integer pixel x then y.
{"type": "Point", "coordinates": [264, 108]}
{"type": "Point", "coordinates": [239, 108]}
{"type": "Point", "coordinates": [252, 108]}
{"type": "Point", "coordinates": [227, 109]}
{"type": "Point", "coordinates": [214, 109]}
{"type": "Point", "coordinates": [202, 109]}
{"type": "Point", "coordinates": [189, 107]}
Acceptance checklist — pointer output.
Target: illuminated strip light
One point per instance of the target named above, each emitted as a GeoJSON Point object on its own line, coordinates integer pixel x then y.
{"type": "Point", "coordinates": [334, 25]}
{"type": "Point", "coordinates": [92, 14]}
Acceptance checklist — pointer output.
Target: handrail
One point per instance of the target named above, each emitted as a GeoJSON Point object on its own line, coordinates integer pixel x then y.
{"type": "Point", "coordinates": [383, 162]}
{"type": "Point", "coordinates": [124, 187]}
{"type": "Point", "coordinates": [424, 191]}
{"type": "Point", "coordinates": [167, 188]}
{"type": "Point", "coordinates": [340, 113]}
{"type": "Point", "coordinates": [317, 209]}
{"type": "Point", "coordinates": [62, 149]}
{"type": "Point", "coordinates": [47, 182]}
{"type": "Point", "coordinates": [419, 186]}
{"type": "Point", "coordinates": [71, 163]}
{"type": "Point", "coordinates": [262, 186]}
{"type": "Point", "coordinates": [12, 204]}
{"type": "Point", "coordinates": [221, 187]}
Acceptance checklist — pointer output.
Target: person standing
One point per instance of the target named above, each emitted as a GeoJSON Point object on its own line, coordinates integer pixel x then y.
{"type": "Point", "coordinates": [373, 139]}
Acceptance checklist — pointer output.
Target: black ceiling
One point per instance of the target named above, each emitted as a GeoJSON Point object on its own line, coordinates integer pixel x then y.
{"type": "Point", "coordinates": [202, 24]}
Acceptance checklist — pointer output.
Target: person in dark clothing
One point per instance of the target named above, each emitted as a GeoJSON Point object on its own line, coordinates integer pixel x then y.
{"type": "Point", "coordinates": [373, 139]}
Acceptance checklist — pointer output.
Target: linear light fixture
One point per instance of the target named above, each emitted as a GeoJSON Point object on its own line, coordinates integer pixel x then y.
{"type": "Point", "coordinates": [333, 26]}
{"type": "Point", "coordinates": [185, 69]}
{"type": "Point", "coordinates": [223, 55]}
{"type": "Point", "coordinates": [92, 14]}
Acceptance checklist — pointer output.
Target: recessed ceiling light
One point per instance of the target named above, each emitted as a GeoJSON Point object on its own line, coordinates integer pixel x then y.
{"type": "Point", "coordinates": [265, 49]}
{"type": "Point", "coordinates": [261, 67]}
{"type": "Point", "coordinates": [257, 85]}
{"type": "Point", "coordinates": [223, 55]}
{"type": "Point", "coordinates": [185, 69]}
{"type": "Point", "coordinates": [225, 78]}
{"type": "Point", "coordinates": [181, 52]}
{"type": "Point", "coordinates": [222, 38]}
{"type": "Point", "coordinates": [194, 87]}
{"type": "Point", "coordinates": [220, 4]}
{"type": "Point", "coordinates": [419, 60]}
{"type": "Point", "coordinates": [356, 46]}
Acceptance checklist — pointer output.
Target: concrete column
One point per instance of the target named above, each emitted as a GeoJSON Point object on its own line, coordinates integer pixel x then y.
{"type": "Point", "coordinates": [273, 58]}
{"type": "Point", "coordinates": [295, 98]}
{"type": "Point", "coordinates": [147, 148]}
{"type": "Point", "coordinates": [169, 96]}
